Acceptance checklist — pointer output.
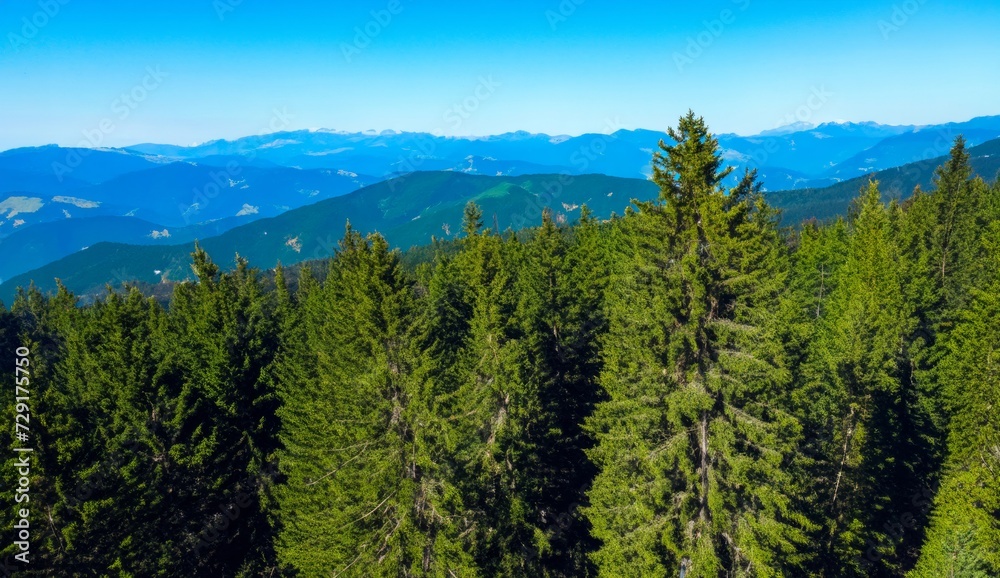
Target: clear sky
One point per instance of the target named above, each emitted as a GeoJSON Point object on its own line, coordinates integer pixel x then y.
{"type": "Point", "coordinates": [121, 72]}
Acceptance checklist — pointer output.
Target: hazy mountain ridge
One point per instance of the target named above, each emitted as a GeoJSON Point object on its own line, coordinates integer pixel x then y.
{"type": "Point", "coordinates": [407, 211]}
{"type": "Point", "coordinates": [894, 183]}
{"type": "Point", "coordinates": [183, 193]}
{"type": "Point", "coordinates": [225, 183]}
{"type": "Point", "coordinates": [823, 152]}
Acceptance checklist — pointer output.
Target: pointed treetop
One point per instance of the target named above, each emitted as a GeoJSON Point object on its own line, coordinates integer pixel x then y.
{"type": "Point", "coordinates": [281, 284]}
{"type": "Point", "coordinates": [472, 220]}
{"type": "Point", "coordinates": [379, 245]}
{"type": "Point", "coordinates": [352, 239]}
{"type": "Point", "coordinates": [950, 176]}
{"type": "Point", "coordinates": [692, 166]}
{"type": "Point", "coordinates": [202, 266]}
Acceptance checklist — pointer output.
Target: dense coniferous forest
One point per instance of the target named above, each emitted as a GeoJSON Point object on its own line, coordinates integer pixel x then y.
{"type": "Point", "coordinates": [687, 390]}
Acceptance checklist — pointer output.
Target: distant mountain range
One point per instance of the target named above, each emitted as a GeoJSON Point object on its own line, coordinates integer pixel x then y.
{"type": "Point", "coordinates": [56, 201]}
{"type": "Point", "coordinates": [800, 156]}
{"type": "Point", "coordinates": [411, 210]}
{"type": "Point", "coordinates": [168, 193]}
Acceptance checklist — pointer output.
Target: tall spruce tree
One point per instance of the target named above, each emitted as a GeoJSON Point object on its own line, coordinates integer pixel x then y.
{"type": "Point", "coordinates": [217, 428]}
{"type": "Point", "coordinates": [964, 538]}
{"type": "Point", "coordinates": [938, 236]}
{"type": "Point", "coordinates": [560, 308]}
{"type": "Point", "coordinates": [693, 441]}
{"type": "Point", "coordinates": [42, 325]}
{"type": "Point", "coordinates": [491, 407]}
{"type": "Point", "coordinates": [941, 264]}
{"type": "Point", "coordinates": [358, 501]}
{"type": "Point", "coordinates": [112, 498]}
{"type": "Point", "coordinates": [863, 406]}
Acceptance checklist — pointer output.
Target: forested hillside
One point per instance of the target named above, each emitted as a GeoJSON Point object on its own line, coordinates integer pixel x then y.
{"type": "Point", "coordinates": [408, 211]}
{"type": "Point", "coordinates": [894, 183]}
{"type": "Point", "coordinates": [687, 390]}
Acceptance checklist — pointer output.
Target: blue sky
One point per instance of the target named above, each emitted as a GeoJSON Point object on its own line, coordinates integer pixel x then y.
{"type": "Point", "coordinates": [114, 73]}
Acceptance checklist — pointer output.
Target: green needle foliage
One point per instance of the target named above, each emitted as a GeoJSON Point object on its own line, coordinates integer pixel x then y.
{"type": "Point", "coordinates": [693, 442]}
{"type": "Point", "coordinates": [356, 454]}
{"type": "Point", "coordinates": [964, 537]}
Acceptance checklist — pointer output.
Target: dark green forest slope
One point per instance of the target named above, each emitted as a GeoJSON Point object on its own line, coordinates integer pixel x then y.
{"type": "Point", "coordinates": [686, 390]}
{"type": "Point", "coordinates": [408, 210]}
{"type": "Point", "coordinates": [897, 183]}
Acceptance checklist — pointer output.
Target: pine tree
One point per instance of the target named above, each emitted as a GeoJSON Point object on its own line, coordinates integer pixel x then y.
{"type": "Point", "coordinates": [357, 501]}
{"type": "Point", "coordinates": [819, 254]}
{"type": "Point", "coordinates": [472, 220]}
{"type": "Point", "coordinates": [150, 427]}
{"type": "Point", "coordinates": [693, 440]}
{"type": "Point", "coordinates": [940, 254]}
{"type": "Point", "coordinates": [865, 408]}
{"type": "Point", "coordinates": [964, 539]}
{"type": "Point", "coordinates": [940, 264]}
{"type": "Point", "coordinates": [107, 507]}
{"type": "Point", "coordinates": [491, 407]}
{"type": "Point", "coordinates": [561, 298]}
{"type": "Point", "coordinates": [40, 324]}
{"type": "Point", "coordinates": [959, 204]}
{"type": "Point", "coordinates": [217, 426]}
